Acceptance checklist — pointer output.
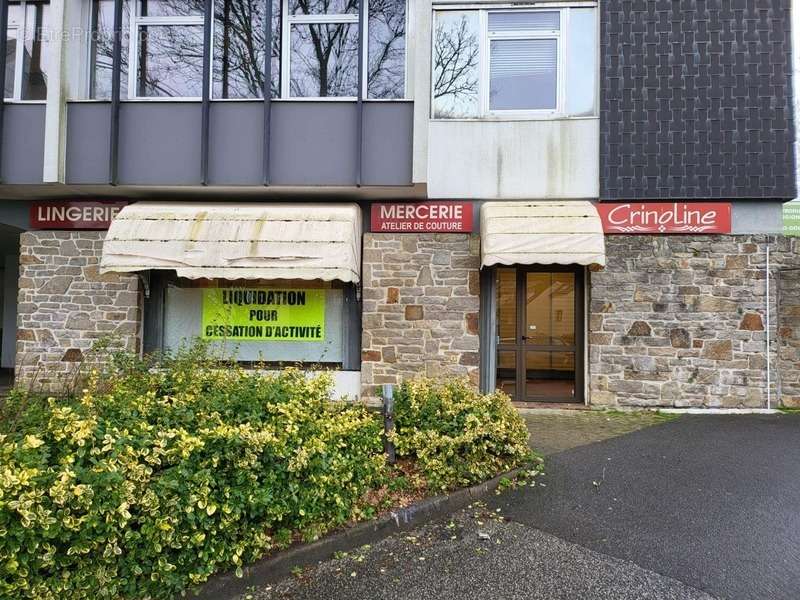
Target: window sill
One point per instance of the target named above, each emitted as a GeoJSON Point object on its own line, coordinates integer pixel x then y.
{"type": "Point", "coordinates": [515, 118]}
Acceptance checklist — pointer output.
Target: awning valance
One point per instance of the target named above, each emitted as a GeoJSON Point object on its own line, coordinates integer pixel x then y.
{"type": "Point", "coordinates": [545, 233]}
{"type": "Point", "coordinates": [237, 241]}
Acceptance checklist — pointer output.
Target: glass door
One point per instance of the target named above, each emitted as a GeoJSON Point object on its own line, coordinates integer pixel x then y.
{"type": "Point", "coordinates": [539, 334]}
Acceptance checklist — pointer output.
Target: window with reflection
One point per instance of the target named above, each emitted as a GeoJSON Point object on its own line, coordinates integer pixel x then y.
{"type": "Point", "coordinates": [489, 63]}
{"type": "Point", "coordinates": [323, 41]}
{"type": "Point", "coordinates": [27, 51]}
{"type": "Point", "coordinates": [240, 42]}
{"type": "Point", "coordinates": [386, 46]}
{"type": "Point", "coordinates": [102, 49]}
{"type": "Point", "coordinates": [314, 51]}
{"type": "Point", "coordinates": [456, 55]}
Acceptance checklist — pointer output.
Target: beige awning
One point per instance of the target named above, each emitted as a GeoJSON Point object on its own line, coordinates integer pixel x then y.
{"type": "Point", "coordinates": [543, 233]}
{"type": "Point", "coordinates": [237, 241]}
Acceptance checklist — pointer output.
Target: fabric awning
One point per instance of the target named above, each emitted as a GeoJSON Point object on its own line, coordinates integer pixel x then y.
{"type": "Point", "coordinates": [237, 241]}
{"type": "Point", "coordinates": [544, 233]}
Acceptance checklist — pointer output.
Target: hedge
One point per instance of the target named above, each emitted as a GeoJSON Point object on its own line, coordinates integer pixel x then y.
{"type": "Point", "coordinates": [457, 436]}
{"type": "Point", "coordinates": [153, 479]}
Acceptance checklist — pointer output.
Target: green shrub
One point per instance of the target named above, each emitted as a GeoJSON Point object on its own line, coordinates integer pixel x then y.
{"type": "Point", "coordinates": [456, 435]}
{"type": "Point", "coordinates": [153, 479]}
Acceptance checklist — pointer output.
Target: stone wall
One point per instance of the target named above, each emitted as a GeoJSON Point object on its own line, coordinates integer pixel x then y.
{"type": "Point", "coordinates": [66, 305]}
{"type": "Point", "coordinates": [680, 321]}
{"type": "Point", "coordinates": [421, 304]}
{"type": "Point", "coordinates": [789, 332]}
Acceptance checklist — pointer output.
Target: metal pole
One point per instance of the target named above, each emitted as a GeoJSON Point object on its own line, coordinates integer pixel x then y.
{"type": "Point", "coordinates": [360, 101]}
{"type": "Point", "coordinates": [267, 90]}
{"type": "Point", "coordinates": [388, 423]}
{"type": "Point", "coordinates": [778, 374]}
{"type": "Point", "coordinates": [116, 69]}
{"type": "Point", "coordinates": [769, 365]}
{"type": "Point", "coordinates": [3, 51]}
{"type": "Point", "coordinates": [208, 17]}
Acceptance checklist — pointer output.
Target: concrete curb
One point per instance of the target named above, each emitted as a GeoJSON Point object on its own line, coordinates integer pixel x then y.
{"type": "Point", "coordinates": [720, 411]}
{"type": "Point", "coordinates": [271, 570]}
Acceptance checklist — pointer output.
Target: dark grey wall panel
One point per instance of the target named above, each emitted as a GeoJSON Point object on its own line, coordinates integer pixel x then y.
{"type": "Point", "coordinates": [313, 143]}
{"type": "Point", "coordinates": [236, 143]}
{"type": "Point", "coordinates": [695, 100]}
{"type": "Point", "coordinates": [160, 143]}
{"type": "Point", "coordinates": [22, 160]}
{"type": "Point", "coordinates": [388, 143]}
{"type": "Point", "coordinates": [88, 128]}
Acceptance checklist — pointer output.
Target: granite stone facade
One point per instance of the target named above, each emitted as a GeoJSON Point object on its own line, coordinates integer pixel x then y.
{"type": "Point", "coordinates": [673, 321]}
{"type": "Point", "coordinates": [679, 321]}
{"type": "Point", "coordinates": [420, 308]}
{"type": "Point", "coordinates": [66, 306]}
{"type": "Point", "coordinates": [788, 287]}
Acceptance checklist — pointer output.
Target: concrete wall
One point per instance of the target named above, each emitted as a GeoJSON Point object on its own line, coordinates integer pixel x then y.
{"type": "Point", "coordinates": [66, 306]}
{"type": "Point", "coordinates": [421, 304]}
{"type": "Point", "coordinates": [514, 159]}
{"type": "Point", "coordinates": [681, 321]}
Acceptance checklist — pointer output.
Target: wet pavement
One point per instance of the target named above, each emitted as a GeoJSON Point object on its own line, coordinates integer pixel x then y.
{"type": "Point", "coordinates": [696, 507]}
{"type": "Point", "coordinates": [553, 432]}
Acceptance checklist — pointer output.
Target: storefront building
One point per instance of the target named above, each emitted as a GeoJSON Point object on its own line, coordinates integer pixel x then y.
{"type": "Point", "coordinates": [573, 202]}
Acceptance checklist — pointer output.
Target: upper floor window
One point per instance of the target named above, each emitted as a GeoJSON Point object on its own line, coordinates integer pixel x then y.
{"type": "Point", "coordinates": [314, 51]}
{"type": "Point", "coordinates": [27, 50]}
{"type": "Point", "coordinates": [515, 62]}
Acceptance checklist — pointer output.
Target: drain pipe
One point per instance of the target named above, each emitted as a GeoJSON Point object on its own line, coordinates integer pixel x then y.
{"type": "Point", "coordinates": [769, 313]}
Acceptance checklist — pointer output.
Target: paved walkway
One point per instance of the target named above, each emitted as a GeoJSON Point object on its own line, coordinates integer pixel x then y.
{"type": "Point", "coordinates": [698, 507]}
{"type": "Point", "coordinates": [553, 432]}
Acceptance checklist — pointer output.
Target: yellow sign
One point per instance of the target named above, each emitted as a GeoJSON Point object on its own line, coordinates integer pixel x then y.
{"type": "Point", "coordinates": [254, 314]}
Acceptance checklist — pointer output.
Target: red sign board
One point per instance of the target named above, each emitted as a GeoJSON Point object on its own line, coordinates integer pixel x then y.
{"type": "Point", "coordinates": [422, 217]}
{"type": "Point", "coordinates": [74, 215]}
{"type": "Point", "coordinates": [663, 217]}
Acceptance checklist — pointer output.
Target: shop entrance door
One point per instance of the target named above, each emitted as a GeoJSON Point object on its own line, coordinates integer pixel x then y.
{"type": "Point", "coordinates": [540, 333]}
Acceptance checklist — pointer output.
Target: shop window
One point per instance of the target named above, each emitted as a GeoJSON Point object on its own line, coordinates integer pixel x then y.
{"type": "Point", "coordinates": [27, 51]}
{"type": "Point", "coordinates": [495, 63]}
{"type": "Point", "coordinates": [314, 49]}
{"type": "Point", "coordinates": [292, 322]}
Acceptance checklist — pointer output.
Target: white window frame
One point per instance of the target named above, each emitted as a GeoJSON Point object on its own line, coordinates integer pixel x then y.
{"type": "Point", "coordinates": [485, 60]}
{"type": "Point", "coordinates": [316, 19]}
{"type": "Point", "coordinates": [16, 92]}
{"type": "Point", "coordinates": [136, 22]}
{"type": "Point", "coordinates": [485, 39]}
{"type": "Point", "coordinates": [19, 58]}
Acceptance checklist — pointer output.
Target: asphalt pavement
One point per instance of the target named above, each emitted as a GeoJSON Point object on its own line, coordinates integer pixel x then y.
{"type": "Point", "coordinates": [699, 507]}
{"type": "Point", "coordinates": [712, 501]}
